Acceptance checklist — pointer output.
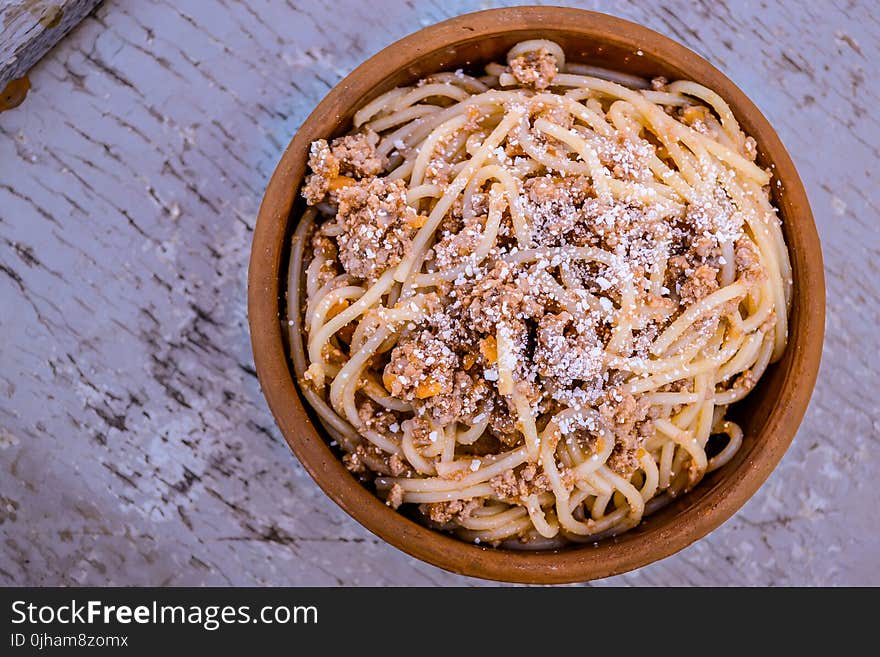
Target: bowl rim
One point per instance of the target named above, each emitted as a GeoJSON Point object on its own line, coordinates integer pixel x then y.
{"type": "Point", "coordinates": [266, 271]}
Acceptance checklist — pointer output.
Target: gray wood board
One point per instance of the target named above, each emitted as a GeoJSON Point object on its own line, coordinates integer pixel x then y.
{"type": "Point", "coordinates": [29, 29]}
{"type": "Point", "coordinates": [135, 445]}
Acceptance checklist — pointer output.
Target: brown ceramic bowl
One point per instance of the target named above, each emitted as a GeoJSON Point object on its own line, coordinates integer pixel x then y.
{"type": "Point", "coordinates": [770, 415]}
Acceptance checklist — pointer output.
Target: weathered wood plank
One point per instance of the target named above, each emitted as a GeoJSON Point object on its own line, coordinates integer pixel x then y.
{"type": "Point", "coordinates": [29, 29]}
{"type": "Point", "coordinates": [135, 446]}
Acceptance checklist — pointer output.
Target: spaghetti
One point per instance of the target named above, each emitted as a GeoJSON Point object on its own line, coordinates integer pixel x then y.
{"type": "Point", "coordinates": [527, 299]}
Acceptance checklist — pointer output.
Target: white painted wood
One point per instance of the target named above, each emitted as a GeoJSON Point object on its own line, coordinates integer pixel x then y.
{"type": "Point", "coordinates": [29, 28]}
{"type": "Point", "coordinates": [135, 446]}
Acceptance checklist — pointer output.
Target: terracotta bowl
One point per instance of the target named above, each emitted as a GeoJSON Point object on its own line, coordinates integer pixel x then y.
{"type": "Point", "coordinates": [769, 416]}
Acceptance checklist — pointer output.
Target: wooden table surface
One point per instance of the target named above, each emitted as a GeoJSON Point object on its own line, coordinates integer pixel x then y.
{"type": "Point", "coordinates": [135, 445]}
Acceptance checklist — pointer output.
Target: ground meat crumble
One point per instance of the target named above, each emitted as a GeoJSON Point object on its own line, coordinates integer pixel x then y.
{"type": "Point", "coordinates": [376, 225]}
{"type": "Point", "coordinates": [516, 484]}
{"type": "Point", "coordinates": [442, 513]}
{"type": "Point", "coordinates": [702, 283]}
{"type": "Point", "coordinates": [334, 166]}
{"type": "Point", "coordinates": [534, 69]}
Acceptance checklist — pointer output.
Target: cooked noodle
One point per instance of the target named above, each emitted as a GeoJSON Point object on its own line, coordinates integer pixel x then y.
{"type": "Point", "coordinates": [527, 299]}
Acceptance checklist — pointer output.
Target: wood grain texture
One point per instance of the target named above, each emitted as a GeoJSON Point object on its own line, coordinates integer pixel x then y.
{"type": "Point", "coordinates": [29, 28]}
{"type": "Point", "coordinates": [135, 446]}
